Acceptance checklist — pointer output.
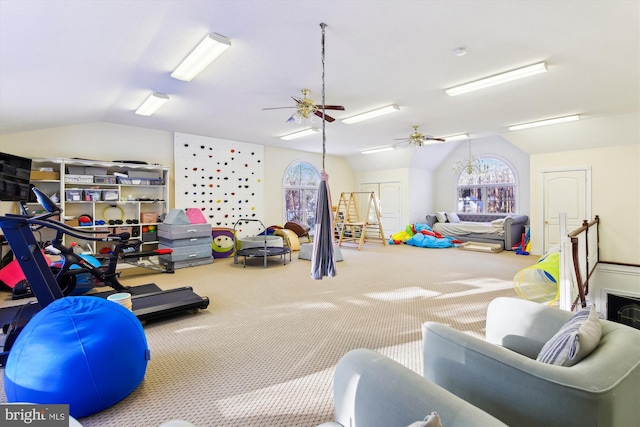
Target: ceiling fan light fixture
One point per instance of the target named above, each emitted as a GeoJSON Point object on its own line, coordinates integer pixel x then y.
{"type": "Point", "coordinates": [377, 150]}
{"type": "Point", "coordinates": [371, 114]}
{"type": "Point", "coordinates": [212, 46]}
{"type": "Point", "coordinates": [152, 103]}
{"type": "Point", "coordinates": [519, 73]}
{"type": "Point", "coordinates": [300, 134]}
{"type": "Point", "coordinates": [546, 122]}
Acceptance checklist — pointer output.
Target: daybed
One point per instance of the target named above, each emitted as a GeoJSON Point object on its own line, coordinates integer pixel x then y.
{"type": "Point", "coordinates": [488, 228]}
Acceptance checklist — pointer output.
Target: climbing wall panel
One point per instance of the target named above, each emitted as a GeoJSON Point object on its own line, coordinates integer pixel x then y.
{"type": "Point", "coordinates": [222, 178]}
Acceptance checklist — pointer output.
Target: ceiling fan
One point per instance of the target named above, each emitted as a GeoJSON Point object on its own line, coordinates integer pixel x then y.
{"type": "Point", "coordinates": [305, 108]}
{"type": "Point", "coordinates": [417, 139]}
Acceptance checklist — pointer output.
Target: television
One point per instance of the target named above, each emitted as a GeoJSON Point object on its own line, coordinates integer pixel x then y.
{"type": "Point", "coordinates": [15, 172]}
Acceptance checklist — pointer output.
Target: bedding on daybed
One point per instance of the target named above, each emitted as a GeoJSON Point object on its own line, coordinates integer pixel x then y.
{"type": "Point", "coordinates": [469, 227]}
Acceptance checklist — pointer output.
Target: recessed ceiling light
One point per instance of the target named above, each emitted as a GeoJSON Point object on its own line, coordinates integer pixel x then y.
{"type": "Point", "coordinates": [300, 134]}
{"type": "Point", "coordinates": [545, 122]}
{"type": "Point", "coordinates": [519, 73]}
{"type": "Point", "coordinates": [202, 55]}
{"type": "Point", "coordinates": [377, 150]}
{"type": "Point", "coordinates": [371, 114]}
{"type": "Point", "coordinates": [152, 103]}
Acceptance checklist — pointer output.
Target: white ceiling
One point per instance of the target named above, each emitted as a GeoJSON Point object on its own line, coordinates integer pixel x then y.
{"type": "Point", "coordinates": [71, 62]}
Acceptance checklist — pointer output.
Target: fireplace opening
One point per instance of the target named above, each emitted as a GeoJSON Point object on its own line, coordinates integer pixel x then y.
{"type": "Point", "coordinates": [624, 309]}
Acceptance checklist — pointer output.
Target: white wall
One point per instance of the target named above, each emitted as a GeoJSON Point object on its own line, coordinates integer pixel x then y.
{"type": "Point", "coordinates": [277, 160]}
{"type": "Point", "coordinates": [108, 141]}
{"type": "Point", "coordinates": [495, 146]}
{"type": "Point", "coordinates": [615, 197]}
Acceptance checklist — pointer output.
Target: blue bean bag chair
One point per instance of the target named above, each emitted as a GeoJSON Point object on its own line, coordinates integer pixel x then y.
{"type": "Point", "coordinates": [83, 351]}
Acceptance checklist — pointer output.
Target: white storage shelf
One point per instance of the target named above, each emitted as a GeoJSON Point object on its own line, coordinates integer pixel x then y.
{"type": "Point", "coordinates": [126, 201]}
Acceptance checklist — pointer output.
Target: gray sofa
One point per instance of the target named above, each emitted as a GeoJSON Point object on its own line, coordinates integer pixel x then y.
{"type": "Point", "coordinates": [371, 390]}
{"type": "Point", "coordinates": [501, 376]}
{"type": "Point", "coordinates": [513, 228]}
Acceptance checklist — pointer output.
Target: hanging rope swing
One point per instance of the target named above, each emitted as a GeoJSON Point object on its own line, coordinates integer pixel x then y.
{"type": "Point", "coordinates": [323, 262]}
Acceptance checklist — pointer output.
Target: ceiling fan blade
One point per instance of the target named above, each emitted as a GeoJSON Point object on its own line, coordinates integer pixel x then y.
{"type": "Point", "coordinates": [298, 100]}
{"type": "Point", "coordinates": [330, 107]}
{"type": "Point", "coordinates": [402, 139]}
{"type": "Point", "coordinates": [327, 118]}
{"type": "Point", "coordinates": [276, 108]}
{"type": "Point", "coordinates": [431, 138]}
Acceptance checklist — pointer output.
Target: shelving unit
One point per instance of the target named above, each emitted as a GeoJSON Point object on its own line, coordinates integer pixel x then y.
{"type": "Point", "coordinates": [145, 191]}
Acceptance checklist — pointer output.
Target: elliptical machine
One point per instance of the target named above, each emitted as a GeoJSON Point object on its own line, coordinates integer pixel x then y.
{"type": "Point", "coordinates": [149, 301]}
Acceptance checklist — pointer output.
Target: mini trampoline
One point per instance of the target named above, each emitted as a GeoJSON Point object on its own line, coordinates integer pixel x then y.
{"type": "Point", "coordinates": [263, 245]}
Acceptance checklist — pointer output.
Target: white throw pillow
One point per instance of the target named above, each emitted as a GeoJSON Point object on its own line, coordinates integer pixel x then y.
{"type": "Point", "coordinates": [575, 340]}
{"type": "Point", "coordinates": [432, 420]}
{"type": "Point", "coordinates": [453, 217]}
{"type": "Point", "coordinates": [441, 216]}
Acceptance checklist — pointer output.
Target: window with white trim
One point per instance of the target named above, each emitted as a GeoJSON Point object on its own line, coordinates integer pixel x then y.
{"type": "Point", "coordinates": [300, 184]}
{"type": "Point", "coordinates": [489, 189]}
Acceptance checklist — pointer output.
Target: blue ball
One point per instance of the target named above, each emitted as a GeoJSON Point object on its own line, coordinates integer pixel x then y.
{"type": "Point", "coordinates": [83, 351]}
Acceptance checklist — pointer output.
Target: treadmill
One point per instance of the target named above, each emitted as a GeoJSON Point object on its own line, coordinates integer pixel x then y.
{"type": "Point", "coordinates": [149, 301]}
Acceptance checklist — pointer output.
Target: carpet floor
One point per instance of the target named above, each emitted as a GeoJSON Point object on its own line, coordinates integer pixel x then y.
{"type": "Point", "coordinates": [263, 353]}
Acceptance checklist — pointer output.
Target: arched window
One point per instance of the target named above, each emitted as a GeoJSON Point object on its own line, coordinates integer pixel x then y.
{"type": "Point", "coordinates": [490, 188]}
{"type": "Point", "coordinates": [301, 181]}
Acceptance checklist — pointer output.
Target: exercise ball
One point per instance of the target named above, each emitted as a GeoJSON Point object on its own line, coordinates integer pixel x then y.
{"type": "Point", "coordinates": [83, 351]}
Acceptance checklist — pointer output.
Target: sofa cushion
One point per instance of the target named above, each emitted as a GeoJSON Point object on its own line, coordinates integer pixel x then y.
{"type": "Point", "coordinates": [575, 340]}
{"type": "Point", "coordinates": [441, 216]}
{"type": "Point", "coordinates": [432, 420]}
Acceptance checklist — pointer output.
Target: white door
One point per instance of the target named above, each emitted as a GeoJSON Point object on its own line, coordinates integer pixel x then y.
{"type": "Point", "coordinates": [564, 191]}
{"type": "Point", "coordinates": [389, 202]}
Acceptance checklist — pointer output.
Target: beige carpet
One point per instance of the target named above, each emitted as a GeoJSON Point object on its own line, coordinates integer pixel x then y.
{"type": "Point", "coordinates": [264, 352]}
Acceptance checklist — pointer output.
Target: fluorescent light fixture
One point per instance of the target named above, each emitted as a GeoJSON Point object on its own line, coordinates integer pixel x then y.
{"type": "Point", "coordinates": [152, 103]}
{"type": "Point", "coordinates": [209, 49]}
{"type": "Point", "coordinates": [371, 114]}
{"type": "Point", "coordinates": [300, 134]}
{"type": "Point", "coordinates": [377, 150]}
{"type": "Point", "coordinates": [545, 122]}
{"type": "Point", "coordinates": [457, 137]}
{"type": "Point", "coordinates": [519, 73]}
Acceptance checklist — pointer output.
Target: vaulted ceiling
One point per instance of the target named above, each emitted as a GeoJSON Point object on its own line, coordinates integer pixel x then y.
{"type": "Point", "coordinates": [71, 62]}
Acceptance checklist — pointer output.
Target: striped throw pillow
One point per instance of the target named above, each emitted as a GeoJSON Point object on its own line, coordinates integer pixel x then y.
{"type": "Point", "coordinates": [575, 340]}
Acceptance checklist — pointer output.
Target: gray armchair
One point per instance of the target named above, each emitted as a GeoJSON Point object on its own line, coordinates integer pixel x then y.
{"type": "Point", "coordinates": [371, 390]}
{"type": "Point", "coordinates": [502, 377]}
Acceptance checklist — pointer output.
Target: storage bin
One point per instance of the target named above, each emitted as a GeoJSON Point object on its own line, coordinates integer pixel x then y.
{"type": "Point", "coordinates": [92, 195]}
{"type": "Point", "coordinates": [150, 236]}
{"type": "Point", "coordinates": [76, 170]}
{"type": "Point", "coordinates": [187, 252]}
{"type": "Point", "coordinates": [44, 175]}
{"type": "Point", "coordinates": [143, 174]}
{"type": "Point", "coordinates": [184, 242]}
{"type": "Point", "coordinates": [92, 170]}
{"type": "Point", "coordinates": [146, 217]}
{"type": "Point", "coordinates": [104, 179]}
{"type": "Point", "coordinates": [110, 195]}
{"type": "Point", "coordinates": [78, 179]}
{"type": "Point", "coordinates": [139, 181]}
{"type": "Point", "coordinates": [175, 232]}
{"type": "Point", "coordinates": [73, 194]}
